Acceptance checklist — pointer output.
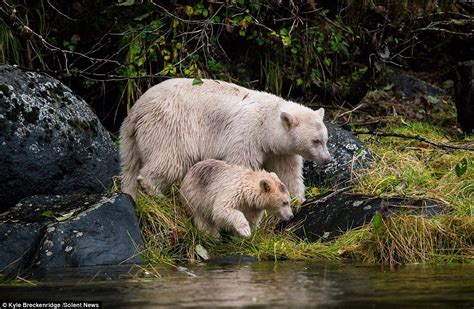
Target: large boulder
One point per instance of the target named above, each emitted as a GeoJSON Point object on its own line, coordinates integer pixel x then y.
{"type": "Point", "coordinates": [50, 140]}
{"type": "Point", "coordinates": [333, 214]}
{"type": "Point", "coordinates": [49, 231]}
{"type": "Point", "coordinates": [349, 155]}
{"type": "Point", "coordinates": [411, 86]}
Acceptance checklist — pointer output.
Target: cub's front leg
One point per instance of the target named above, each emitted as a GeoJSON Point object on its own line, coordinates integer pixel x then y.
{"type": "Point", "coordinates": [228, 218]}
{"type": "Point", "coordinates": [254, 217]}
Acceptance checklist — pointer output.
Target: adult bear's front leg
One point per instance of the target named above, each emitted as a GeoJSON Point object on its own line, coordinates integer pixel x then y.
{"type": "Point", "coordinates": [290, 171]}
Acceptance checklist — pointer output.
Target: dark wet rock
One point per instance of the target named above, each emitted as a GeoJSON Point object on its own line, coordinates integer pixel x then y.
{"type": "Point", "coordinates": [464, 97]}
{"type": "Point", "coordinates": [349, 154]}
{"type": "Point", "coordinates": [50, 140]}
{"type": "Point", "coordinates": [16, 243]}
{"type": "Point", "coordinates": [409, 85]}
{"type": "Point", "coordinates": [69, 231]}
{"type": "Point", "coordinates": [34, 209]}
{"type": "Point", "coordinates": [106, 234]}
{"type": "Point", "coordinates": [335, 213]}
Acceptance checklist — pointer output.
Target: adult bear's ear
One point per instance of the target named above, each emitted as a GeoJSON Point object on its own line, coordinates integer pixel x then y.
{"type": "Point", "coordinates": [265, 185]}
{"type": "Point", "coordinates": [288, 120]}
{"type": "Point", "coordinates": [320, 112]}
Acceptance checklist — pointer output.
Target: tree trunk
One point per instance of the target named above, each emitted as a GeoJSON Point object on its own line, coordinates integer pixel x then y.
{"type": "Point", "coordinates": [464, 85]}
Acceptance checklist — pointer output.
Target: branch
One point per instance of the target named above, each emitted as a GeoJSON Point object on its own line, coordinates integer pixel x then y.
{"type": "Point", "coordinates": [437, 26]}
{"type": "Point", "coordinates": [59, 12]}
{"type": "Point", "coordinates": [98, 77]}
{"type": "Point", "coordinates": [8, 15]}
{"type": "Point", "coordinates": [414, 137]}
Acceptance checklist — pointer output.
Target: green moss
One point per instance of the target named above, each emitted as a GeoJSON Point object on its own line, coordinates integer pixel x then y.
{"type": "Point", "coordinates": [18, 109]}
{"type": "Point", "coordinates": [32, 116]}
{"type": "Point", "coordinates": [424, 129]}
{"type": "Point", "coordinates": [15, 112]}
{"type": "Point", "coordinates": [83, 125]}
{"type": "Point", "coordinates": [6, 91]}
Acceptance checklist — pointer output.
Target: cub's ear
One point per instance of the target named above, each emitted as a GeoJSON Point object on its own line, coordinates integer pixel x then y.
{"type": "Point", "coordinates": [320, 112]}
{"type": "Point", "coordinates": [288, 120]}
{"type": "Point", "coordinates": [265, 185]}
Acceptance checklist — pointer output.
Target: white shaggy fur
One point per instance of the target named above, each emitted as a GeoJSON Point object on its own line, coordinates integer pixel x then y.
{"type": "Point", "coordinates": [221, 196]}
{"type": "Point", "coordinates": [176, 124]}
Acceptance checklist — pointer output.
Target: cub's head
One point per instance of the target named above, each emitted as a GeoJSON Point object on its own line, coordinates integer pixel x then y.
{"type": "Point", "coordinates": [274, 196]}
{"type": "Point", "coordinates": [308, 135]}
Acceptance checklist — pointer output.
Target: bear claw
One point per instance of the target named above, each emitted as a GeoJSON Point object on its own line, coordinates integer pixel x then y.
{"type": "Point", "coordinates": [245, 231]}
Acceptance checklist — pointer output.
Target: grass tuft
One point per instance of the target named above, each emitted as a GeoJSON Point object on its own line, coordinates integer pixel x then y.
{"type": "Point", "coordinates": [406, 239]}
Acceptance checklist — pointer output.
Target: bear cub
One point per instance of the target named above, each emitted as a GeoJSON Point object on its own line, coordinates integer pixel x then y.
{"type": "Point", "coordinates": [220, 196]}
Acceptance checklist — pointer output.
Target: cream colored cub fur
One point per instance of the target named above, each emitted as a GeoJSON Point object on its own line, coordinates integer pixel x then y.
{"type": "Point", "coordinates": [220, 196]}
{"type": "Point", "coordinates": [176, 124]}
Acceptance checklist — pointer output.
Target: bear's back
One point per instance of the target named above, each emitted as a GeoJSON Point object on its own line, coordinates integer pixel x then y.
{"type": "Point", "coordinates": [205, 173]}
{"type": "Point", "coordinates": [179, 93]}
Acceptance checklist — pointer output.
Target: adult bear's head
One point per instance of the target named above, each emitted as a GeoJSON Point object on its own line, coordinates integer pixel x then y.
{"type": "Point", "coordinates": [308, 134]}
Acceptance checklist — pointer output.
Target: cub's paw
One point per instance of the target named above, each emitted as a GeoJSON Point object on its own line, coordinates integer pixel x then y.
{"type": "Point", "coordinates": [244, 231]}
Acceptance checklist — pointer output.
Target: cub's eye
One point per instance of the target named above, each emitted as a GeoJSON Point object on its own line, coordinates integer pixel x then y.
{"type": "Point", "coordinates": [316, 141]}
{"type": "Point", "coordinates": [285, 203]}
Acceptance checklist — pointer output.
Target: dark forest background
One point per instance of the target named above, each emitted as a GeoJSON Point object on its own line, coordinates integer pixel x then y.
{"type": "Point", "coordinates": [327, 53]}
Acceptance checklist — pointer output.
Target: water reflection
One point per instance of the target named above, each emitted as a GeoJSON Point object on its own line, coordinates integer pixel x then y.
{"type": "Point", "coordinates": [274, 284]}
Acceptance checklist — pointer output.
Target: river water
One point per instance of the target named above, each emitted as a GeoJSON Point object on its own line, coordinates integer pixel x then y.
{"type": "Point", "coordinates": [257, 284]}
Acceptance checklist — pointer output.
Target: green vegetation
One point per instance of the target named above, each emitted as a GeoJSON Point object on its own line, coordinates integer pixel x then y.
{"type": "Point", "coordinates": [412, 168]}
{"type": "Point", "coordinates": [110, 52]}
{"type": "Point", "coordinates": [16, 281]}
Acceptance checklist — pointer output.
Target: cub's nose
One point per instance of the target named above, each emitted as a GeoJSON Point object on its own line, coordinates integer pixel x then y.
{"type": "Point", "coordinates": [291, 217]}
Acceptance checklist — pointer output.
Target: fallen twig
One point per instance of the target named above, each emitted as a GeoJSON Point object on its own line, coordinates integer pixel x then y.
{"type": "Point", "coordinates": [415, 137]}
{"type": "Point", "coordinates": [325, 198]}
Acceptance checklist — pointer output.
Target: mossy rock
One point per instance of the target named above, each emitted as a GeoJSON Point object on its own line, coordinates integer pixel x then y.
{"type": "Point", "coordinates": [51, 141]}
{"type": "Point", "coordinates": [335, 213]}
{"type": "Point", "coordinates": [76, 230]}
{"type": "Point", "coordinates": [349, 155]}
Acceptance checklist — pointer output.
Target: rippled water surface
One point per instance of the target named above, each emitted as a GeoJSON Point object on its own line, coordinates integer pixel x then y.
{"type": "Point", "coordinates": [267, 284]}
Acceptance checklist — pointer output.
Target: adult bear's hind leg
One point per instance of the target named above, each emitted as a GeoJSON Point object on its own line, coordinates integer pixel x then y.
{"type": "Point", "coordinates": [152, 181]}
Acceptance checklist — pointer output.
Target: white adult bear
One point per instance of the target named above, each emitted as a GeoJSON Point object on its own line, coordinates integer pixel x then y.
{"type": "Point", "coordinates": [176, 124]}
{"type": "Point", "coordinates": [221, 196]}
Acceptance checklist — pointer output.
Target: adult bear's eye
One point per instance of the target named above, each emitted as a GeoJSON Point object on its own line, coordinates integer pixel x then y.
{"type": "Point", "coordinates": [315, 141]}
